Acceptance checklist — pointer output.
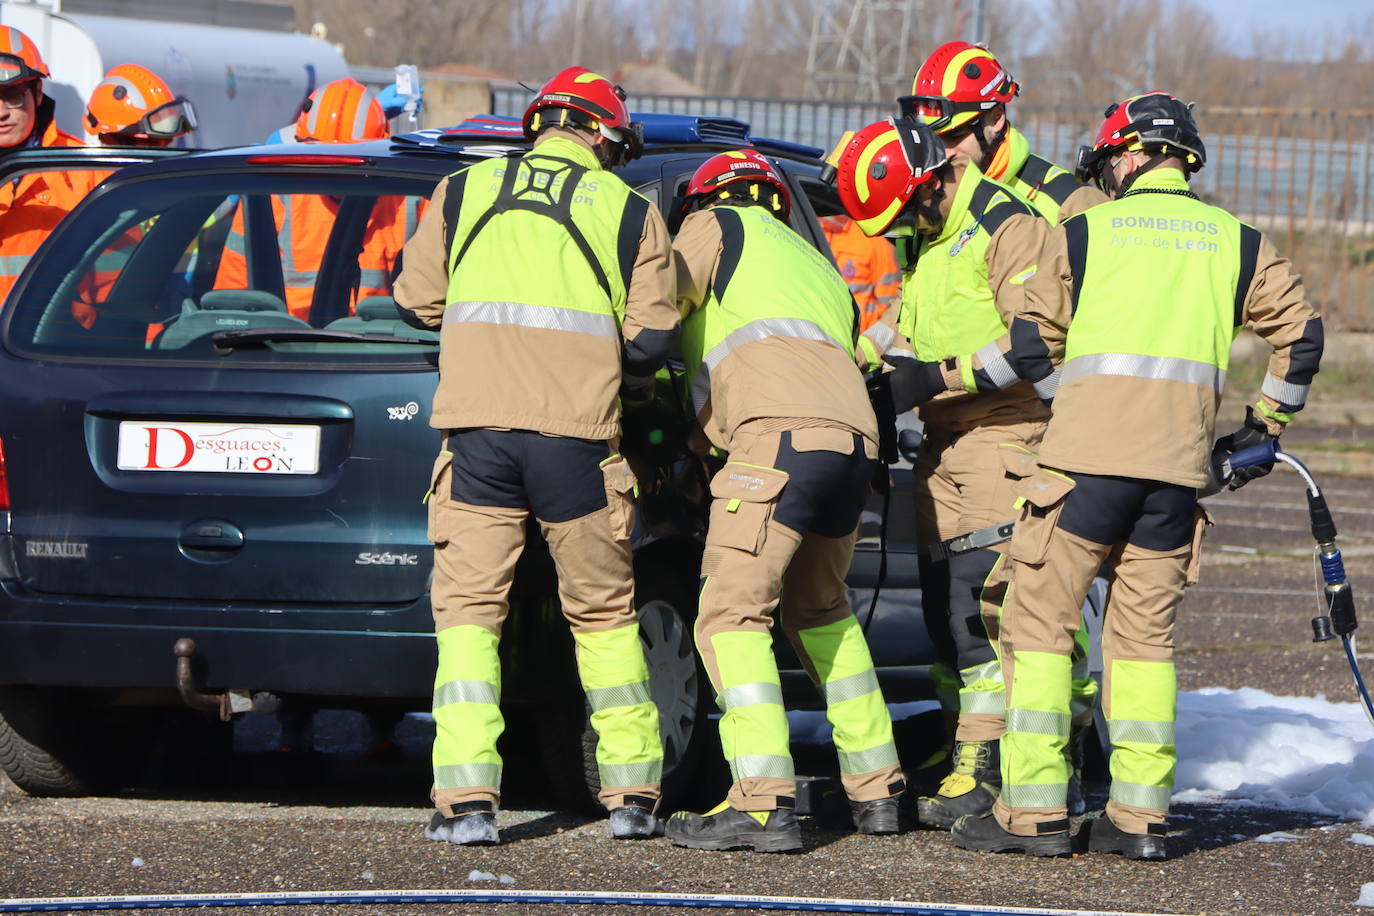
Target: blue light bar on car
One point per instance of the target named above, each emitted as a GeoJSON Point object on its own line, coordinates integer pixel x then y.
{"type": "Point", "coordinates": [669, 129]}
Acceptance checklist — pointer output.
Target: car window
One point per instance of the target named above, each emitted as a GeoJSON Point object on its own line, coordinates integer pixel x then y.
{"type": "Point", "coordinates": [155, 267]}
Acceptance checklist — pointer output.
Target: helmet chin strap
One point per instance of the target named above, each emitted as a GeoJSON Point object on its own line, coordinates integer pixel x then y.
{"type": "Point", "coordinates": [1115, 189]}
{"type": "Point", "coordinates": [988, 147]}
{"type": "Point", "coordinates": [930, 219]}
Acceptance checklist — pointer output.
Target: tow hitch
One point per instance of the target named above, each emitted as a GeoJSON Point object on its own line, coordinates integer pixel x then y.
{"type": "Point", "coordinates": [226, 705]}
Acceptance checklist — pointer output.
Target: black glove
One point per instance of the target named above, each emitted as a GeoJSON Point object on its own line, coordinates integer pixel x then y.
{"type": "Point", "coordinates": [914, 382]}
{"type": "Point", "coordinates": [1254, 432]}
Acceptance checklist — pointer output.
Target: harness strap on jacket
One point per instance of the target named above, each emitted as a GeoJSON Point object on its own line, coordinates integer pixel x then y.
{"type": "Point", "coordinates": [560, 211]}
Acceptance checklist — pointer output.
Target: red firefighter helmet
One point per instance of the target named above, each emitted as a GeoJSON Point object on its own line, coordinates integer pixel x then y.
{"type": "Point", "coordinates": [880, 168]}
{"type": "Point", "coordinates": [957, 83]}
{"type": "Point", "coordinates": [1155, 120]}
{"type": "Point", "coordinates": [19, 58]}
{"type": "Point", "coordinates": [587, 99]}
{"type": "Point", "coordinates": [342, 111]}
{"type": "Point", "coordinates": [716, 176]}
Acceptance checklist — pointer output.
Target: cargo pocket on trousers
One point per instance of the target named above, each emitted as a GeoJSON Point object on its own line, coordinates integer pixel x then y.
{"type": "Point", "coordinates": [1193, 571]}
{"type": "Point", "coordinates": [1018, 462]}
{"type": "Point", "coordinates": [620, 495]}
{"type": "Point", "coordinates": [745, 495]}
{"type": "Point", "coordinates": [437, 496]}
{"type": "Point", "coordinates": [1041, 499]}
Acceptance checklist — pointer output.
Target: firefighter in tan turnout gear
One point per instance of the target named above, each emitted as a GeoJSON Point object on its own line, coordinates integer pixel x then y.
{"type": "Point", "coordinates": [546, 266]}
{"type": "Point", "coordinates": [962, 91]}
{"type": "Point", "coordinates": [969, 245]}
{"type": "Point", "coordinates": [1133, 311]}
{"type": "Point", "coordinates": [769, 338]}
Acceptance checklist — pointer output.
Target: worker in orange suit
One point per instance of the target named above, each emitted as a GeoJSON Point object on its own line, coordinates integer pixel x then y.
{"type": "Point", "coordinates": [869, 266]}
{"type": "Point", "coordinates": [344, 111]}
{"type": "Point", "coordinates": [132, 106]}
{"type": "Point", "coordinates": [34, 203]}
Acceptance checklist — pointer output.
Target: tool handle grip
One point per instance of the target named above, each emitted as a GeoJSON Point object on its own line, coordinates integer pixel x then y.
{"type": "Point", "coordinates": [1255, 454]}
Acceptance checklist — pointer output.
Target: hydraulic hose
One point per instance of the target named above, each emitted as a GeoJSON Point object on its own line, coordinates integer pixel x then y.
{"type": "Point", "coordinates": [561, 898]}
{"type": "Point", "coordinates": [1337, 600]}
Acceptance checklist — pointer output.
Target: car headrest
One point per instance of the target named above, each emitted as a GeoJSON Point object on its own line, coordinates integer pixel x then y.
{"type": "Point", "coordinates": [241, 300]}
{"type": "Point", "coordinates": [373, 308]}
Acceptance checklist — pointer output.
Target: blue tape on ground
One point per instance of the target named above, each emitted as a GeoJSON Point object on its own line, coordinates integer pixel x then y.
{"type": "Point", "coordinates": [602, 898]}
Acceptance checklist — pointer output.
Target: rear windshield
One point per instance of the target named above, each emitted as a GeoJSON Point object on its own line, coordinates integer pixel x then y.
{"type": "Point", "coordinates": [179, 267]}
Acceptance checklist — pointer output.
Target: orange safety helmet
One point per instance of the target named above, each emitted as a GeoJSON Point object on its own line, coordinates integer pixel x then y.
{"type": "Point", "coordinates": [344, 111]}
{"type": "Point", "coordinates": [714, 178]}
{"type": "Point", "coordinates": [590, 100]}
{"type": "Point", "coordinates": [19, 58]}
{"type": "Point", "coordinates": [958, 83]}
{"type": "Point", "coordinates": [133, 102]}
{"type": "Point", "coordinates": [880, 168]}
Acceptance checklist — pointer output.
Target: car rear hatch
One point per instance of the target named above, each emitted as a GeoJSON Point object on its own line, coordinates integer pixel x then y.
{"type": "Point", "coordinates": [213, 434]}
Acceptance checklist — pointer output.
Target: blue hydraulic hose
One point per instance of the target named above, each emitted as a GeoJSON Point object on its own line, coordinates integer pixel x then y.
{"type": "Point", "coordinates": [696, 901]}
{"type": "Point", "coordinates": [1339, 619]}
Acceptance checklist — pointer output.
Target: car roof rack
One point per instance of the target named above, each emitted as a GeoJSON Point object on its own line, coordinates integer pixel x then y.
{"type": "Point", "coordinates": [491, 135]}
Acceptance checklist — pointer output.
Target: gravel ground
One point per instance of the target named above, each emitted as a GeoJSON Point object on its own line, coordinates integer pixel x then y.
{"type": "Point", "coordinates": [338, 822]}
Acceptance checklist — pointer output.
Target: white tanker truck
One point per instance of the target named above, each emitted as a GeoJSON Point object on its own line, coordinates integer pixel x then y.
{"type": "Point", "coordinates": [238, 63]}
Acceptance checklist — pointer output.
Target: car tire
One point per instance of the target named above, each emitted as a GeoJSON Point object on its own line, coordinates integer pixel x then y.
{"type": "Point", "coordinates": [679, 686]}
{"type": "Point", "coordinates": [50, 743]}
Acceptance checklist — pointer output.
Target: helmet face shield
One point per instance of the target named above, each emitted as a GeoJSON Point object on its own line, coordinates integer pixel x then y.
{"type": "Point", "coordinates": [13, 69]}
{"type": "Point", "coordinates": [634, 141]}
{"type": "Point", "coordinates": [1085, 165]}
{"type": "Point", "coordinates": [936, 111]}
{"type": "Point", "coordinates": [173, 119]}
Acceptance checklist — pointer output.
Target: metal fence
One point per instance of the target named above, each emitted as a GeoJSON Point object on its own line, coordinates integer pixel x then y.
{"type": "Point", "coordinates": [1304, 177]}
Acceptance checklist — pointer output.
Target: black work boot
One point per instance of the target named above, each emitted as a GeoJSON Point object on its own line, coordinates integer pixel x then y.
{"type": "Point", "coordinates": [633, 821]}
{"type": "Point", "coordinates": [982, 833]}
{"type": "Point", "coordinates": [473, 824]}
{"type": "Point", "coordinates": [970, 788]}
{"type": "Point", "coordinates": [1105, 836]}
{"type": "Point", "coordinates": [724, 827]}
{"type": "Point", "coordinates": [1073, 757]}
{"type": "Point", "coordinates": [877, 817]}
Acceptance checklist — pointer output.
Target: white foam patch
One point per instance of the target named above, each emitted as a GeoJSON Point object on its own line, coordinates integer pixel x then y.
{"type": "Point", "coordinates": [1294, 753]}
{"type": "Point", "coordinates": [1278, 836]}
{"type": "Point", "coordinates": [1366, 895]}
{"type": "Point", "coordinates": [1362, 839]}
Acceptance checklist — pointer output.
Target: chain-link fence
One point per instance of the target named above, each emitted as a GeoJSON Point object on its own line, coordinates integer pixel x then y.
{"type": "Point", "coordinates": [1304, 177]}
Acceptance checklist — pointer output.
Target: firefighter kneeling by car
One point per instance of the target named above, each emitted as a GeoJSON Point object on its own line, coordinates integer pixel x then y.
{"type": "Point", "coordinates": [540, 271]}
{"type": "Point", "coordinates": [769, 339]}
{"type": "Point", "coordinates": [1139, 335]}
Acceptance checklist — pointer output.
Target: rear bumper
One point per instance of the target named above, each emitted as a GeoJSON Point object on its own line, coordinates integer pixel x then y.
{"type": "Point", "coordinates": [77, 642]}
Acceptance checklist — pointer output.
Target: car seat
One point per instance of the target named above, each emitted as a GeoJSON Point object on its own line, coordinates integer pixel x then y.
{"type": "Point", "coordinates": [378, 315]}
{"type": "Point", "coordinates": [226, 310]}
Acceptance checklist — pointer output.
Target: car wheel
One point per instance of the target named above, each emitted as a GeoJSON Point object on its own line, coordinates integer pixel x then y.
{"type": "Point", "coordinates": [677, 684]}
{"type": "Point", "coordinates": [50, 743]}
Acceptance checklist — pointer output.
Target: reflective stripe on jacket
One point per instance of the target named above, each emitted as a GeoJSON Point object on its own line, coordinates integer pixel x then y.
{"type": "Point", "coordinates": [770, 325]}
{"type": "Point", "coordinates": [959, 291]}
{"type": "Point", "coordinates": [531, 339]}
{"type": "Point", "coordinates": [32, 204]}
{"type": "Point", "coordinates": [1157, 285]}
{"type": "Point", "coordinates": [304, 223]}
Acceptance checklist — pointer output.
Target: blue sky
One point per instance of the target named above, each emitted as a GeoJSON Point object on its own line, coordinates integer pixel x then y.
{"type": "Point", "coordinates": [1318, 18]}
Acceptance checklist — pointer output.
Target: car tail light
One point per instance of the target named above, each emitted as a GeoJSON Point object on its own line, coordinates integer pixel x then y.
{"type": "Point", "coordinates": [4, 481]}
{"type": "Point", "coordinates": [307, 159]}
